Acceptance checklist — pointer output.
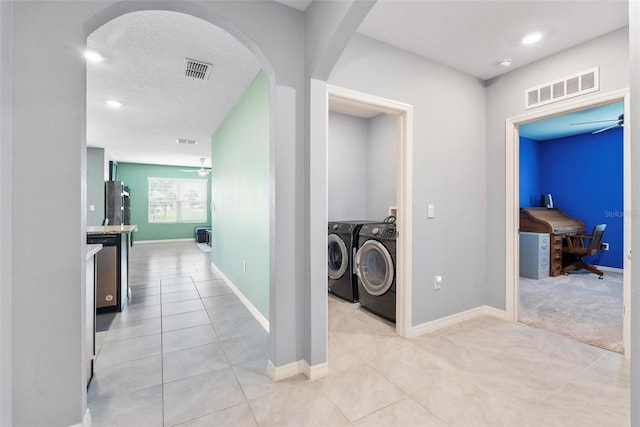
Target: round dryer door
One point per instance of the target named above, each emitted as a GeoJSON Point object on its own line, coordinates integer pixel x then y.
{"type": "Point", "coordinates": [374, 267]}
{"type": "Point", "coordinates": [338, 257]}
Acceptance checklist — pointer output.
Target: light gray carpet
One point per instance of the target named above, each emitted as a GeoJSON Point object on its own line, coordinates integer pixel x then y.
{"type": "Point", "coordinates": [579, 306]}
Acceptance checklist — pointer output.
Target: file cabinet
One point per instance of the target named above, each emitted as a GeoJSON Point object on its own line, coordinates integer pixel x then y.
{"type": "Point", "coordinates": [534, 255]}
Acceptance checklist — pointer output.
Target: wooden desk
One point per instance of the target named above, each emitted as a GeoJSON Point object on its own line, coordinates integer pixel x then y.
{"type": "Point", "coordinates": [557, 224]}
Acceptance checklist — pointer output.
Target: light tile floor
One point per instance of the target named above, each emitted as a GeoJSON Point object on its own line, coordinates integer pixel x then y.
{"type": "Point", "coordinates": [187, 352]}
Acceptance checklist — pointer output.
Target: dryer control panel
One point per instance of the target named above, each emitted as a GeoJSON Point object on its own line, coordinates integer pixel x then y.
{"type": "Point", "coordinates": [389, 233]}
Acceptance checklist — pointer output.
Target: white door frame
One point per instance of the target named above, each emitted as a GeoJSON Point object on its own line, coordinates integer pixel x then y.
{"type": "Point", "coordinates": [512, 195]}
{"type": "Point", "coordinates": [403, 191]}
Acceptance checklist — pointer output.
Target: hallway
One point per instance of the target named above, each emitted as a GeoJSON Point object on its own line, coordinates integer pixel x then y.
{"type": "Point", "coordinates": [187, 352]}
{"type": "Point", "coordinates": [184, 338]}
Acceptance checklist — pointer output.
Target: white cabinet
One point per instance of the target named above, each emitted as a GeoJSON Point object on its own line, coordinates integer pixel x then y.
{"type": "Point", "coordinates": [90, 311]}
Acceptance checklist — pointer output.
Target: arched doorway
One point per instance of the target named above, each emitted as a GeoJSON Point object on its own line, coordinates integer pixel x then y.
{"type": "Point", "coordinates": [268, 158]}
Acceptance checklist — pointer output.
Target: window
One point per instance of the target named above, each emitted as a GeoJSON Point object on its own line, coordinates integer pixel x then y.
{"type": "Point", "coordinates": [173, 200]}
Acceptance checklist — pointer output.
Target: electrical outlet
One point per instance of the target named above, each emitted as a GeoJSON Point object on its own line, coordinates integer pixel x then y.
{"type": "Point", "coordinates": [605, 246]}
{"type": "Point", "coordinates": [437, 281]}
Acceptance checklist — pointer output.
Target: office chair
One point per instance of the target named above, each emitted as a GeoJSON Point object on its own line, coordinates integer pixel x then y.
{"type": "Point", "coordinates": [576, 247]}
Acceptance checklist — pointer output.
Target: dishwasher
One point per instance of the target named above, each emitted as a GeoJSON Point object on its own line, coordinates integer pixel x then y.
{"type": "Point", "coordinates": [107, 272]}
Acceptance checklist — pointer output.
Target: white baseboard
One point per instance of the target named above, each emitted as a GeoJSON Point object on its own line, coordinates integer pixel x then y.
{"type": "Point", "coordinates": [495, 312]}
{"type": "Point", "coordinates": [434, 325]}
{"type": "Point", "coordinates": [610, 269]}
{"type": "Point", "coordinates": [86, 420]}
{"type": "Point", "coordinates": [252, 309]}
{"type": "Point", "coordinates": [315, 371]}
{"type": "Point", "coordinates": [146, 242]}
{"type": "Point", "coordinates": [278, 373]}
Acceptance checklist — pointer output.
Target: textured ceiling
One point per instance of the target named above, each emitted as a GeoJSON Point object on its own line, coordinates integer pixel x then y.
{"type": "Point", "coordinates": [145, 54]}
{"type": "Point", "coordinates": [144, 69]}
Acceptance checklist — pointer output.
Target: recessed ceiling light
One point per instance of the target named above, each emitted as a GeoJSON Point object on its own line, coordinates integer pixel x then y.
{"type": "Point", "coordinates": [113, 103]}
{"type": "Point", "coordinates": [532, 38]}
{"type": "Point", "coordinates": [186, 141]}
{"type": "Point", "coordinates": [93, 56]}
{"type": "Point", "coordinates": [505, 63]}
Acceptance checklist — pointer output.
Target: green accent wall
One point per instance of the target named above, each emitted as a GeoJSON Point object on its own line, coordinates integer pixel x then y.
{"type": "Point", "coordinates": [240, 194]}
{"type": "Point", "coordinates": [135, 176]}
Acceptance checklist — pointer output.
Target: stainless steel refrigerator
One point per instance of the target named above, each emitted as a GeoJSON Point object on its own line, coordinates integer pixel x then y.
{"type": "Point", "coordinates": [117, 207]}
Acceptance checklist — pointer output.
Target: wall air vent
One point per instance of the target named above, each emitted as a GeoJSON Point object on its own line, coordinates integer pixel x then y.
{"type": "Point", "coordinates": [196, 69]}
{"type": "Point", "coordinates": [187, 141]}
{"type": "Point", "coordinates": [574, 85]}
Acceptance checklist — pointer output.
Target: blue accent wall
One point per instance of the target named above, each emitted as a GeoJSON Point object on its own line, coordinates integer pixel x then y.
{"type": "Point", "coordinates": [584, 174]}
{"type": "Point", "coordinates": [529, 176]}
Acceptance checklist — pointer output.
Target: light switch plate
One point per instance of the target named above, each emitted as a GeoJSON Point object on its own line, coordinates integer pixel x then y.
{"type": "Point", "coordinates": [431, 211]}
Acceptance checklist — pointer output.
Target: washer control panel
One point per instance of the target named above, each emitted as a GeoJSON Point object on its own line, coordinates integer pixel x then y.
{"type": "Point", "coordinates": [389, 233]}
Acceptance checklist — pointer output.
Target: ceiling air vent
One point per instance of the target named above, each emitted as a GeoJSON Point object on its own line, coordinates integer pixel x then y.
{"type": "Point", "coordinates": [187, 141]}
{"type": "Point", "coordinates": [568, 87]}
{"type": "Point", "coordinates": [196, 69]}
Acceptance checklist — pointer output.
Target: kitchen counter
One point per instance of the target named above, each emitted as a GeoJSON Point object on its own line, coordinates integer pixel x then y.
{"type": "Point", "coordinates": [90, 311]}
{"type": "Point", "coordinates": [112, 265]}
{"type": "Point", "coordinates": [93, 249]}
{"type": "Point", "coordinates": [111, 229]}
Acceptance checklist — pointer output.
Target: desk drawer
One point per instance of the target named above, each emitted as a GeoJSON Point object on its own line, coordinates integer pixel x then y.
{"type": "Point", "coordinates": [556, 256]}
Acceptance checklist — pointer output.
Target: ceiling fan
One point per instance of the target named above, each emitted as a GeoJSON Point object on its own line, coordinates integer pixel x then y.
{"type": "Point", "coordinates": [619, 123]}
{"type": "Point", "coordinates": [202, 171]}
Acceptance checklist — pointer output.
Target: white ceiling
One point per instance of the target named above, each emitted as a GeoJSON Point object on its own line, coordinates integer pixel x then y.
{"type": "Point", "coordinates": [472, 36]}
{"type": "Point", "coordinates": [145, 54]}
{"type": "Point", "coordinates": [296, 4]}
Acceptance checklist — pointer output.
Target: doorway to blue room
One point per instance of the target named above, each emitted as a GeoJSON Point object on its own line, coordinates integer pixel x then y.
{"type": "Point", "coordinates": [571, 180]}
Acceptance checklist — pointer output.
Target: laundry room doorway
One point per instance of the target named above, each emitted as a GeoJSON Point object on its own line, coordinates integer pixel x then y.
{"type": "Point", "coordinates": [528, 293]}
{"type": "Point", "coordinates": [368, 176]}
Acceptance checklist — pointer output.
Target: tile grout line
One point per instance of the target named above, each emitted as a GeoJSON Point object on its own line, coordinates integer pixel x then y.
{"type": "Point", "coordinates": [162, 353]}
{"type": "Point", "coordinates": [246, 400]}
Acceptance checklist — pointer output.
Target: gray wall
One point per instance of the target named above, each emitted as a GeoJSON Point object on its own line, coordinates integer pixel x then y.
{"type": "Point", "coordinates": [449, 129]}
{"type": "Point", "coordinates": [5, 215]}
{"type": "Point", "coordinates": [95, 185]}
{"type": "Point", "coordinates": [47, 137]}
{"type": "Point", "coordinates": [347, 167]}
{"type": "Point", "coordinates": [505, 99]}
{"type": "Point", "coordinates": [383, 165]}
{"type": "Point", "coordinates": [329, 27]}
{"type": "Point", "coordinates": [362, 167]}
{"type": "Point", "coordinates": [54, 32]}
{"type": "Point", "coordinates": [634, 33]}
